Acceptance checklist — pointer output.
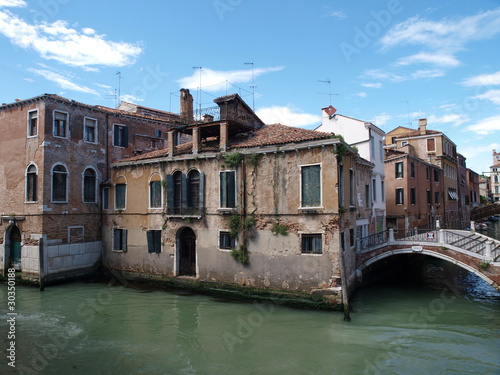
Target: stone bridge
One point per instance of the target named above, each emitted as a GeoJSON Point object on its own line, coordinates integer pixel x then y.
{"type": "Point", "coordinates": [472, 251]}
{"type": "Point", "coordinates": [483, 212]}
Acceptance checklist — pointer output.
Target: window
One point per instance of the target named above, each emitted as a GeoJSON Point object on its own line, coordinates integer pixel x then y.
{"type": "Point", "coordinates": [178, 178]}
{"type": "Point", "coordinates": [404, 143]}
{"type": "Point", "coordinates": [105, 198]}
{"type": "Point", "coordinates": [399, 170]}
{"type": "Point", "coordinates": [374, 182]}
{"type": "Point", "coordinates": [120, 239]}
{"type": "Point", "coordinates": [193, 180]}
{"type": "Point", "coordinates": [351, 187]}
{"type": "Point", "coordinates": [427, 173]}
{"type": "Point", "coordinates": [496, 189]}
{"type": "Point", "coordinates": [158, 133]}
{"type": "Point", "coordinates": [372, 146]}
{"type": "Point", "coordinates": [382, 190]}
{"type": "Point", "coordinates": [429, 197]}
{"type": "Point", "coordinates": [120, 136]}
{"type": "Point", "coordinates": [32, 123]}
{"type": "Point", "coordinates": [226, 242]}
{"type": "Point", "coordinates": [431, 145]}
{"type": "Point", "coordinates": [31, 183]}
{"type": "Point", "coordinates": [412, 170]}
{"type": "Point", "coordinates": [381, 148]}
{"type": "Point", "coordinates": [120, 193]}
{"type": "Point", "coordinates": [413, 196]}
{"type": "Point", "coordinates": [393, 140]}
{"type": "Point", "coordinates": [367, 196]}
{"type": "Point", "coordinates": [351, 237]}
{"type": "Point", "coordinates": [312, 244]}
{"type": "Point", "coordinates": [311, 186]}
{"type": "Point", "coordinates": [90, 130]}
{"type": "Point", "coordinates": [436, 175]}
{"type": "Point", "coordinates": [59, 183]}
{"type": "Point", "coordinates": [60, 124]}
{"type": "Point", "coordinates": [341, 185]}
{"type": "Point", "coordinates": [342, 241]}
{"type": "Point", "coordinates": [89, 186]}
{"type": "Point", "coordinates": [227, 189]}
{"type": "Point", "coordinates": [436, 197]}
{"type": "Point", "coordinates": [467, 199]}
{"type": "Point", "coordinates": [400, 196]}
{"type": "Point", "coordinates": [155, 191]}
{"type": "Point", "coordinates": [496, 178]}
{"type": "Point", "coordinates": [154, 241]}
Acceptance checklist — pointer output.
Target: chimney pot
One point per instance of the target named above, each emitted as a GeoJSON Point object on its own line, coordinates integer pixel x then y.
{"type": "Point", "coordinates": [186, 106]}
{"type": "Point", "coordinates": [422, 125]}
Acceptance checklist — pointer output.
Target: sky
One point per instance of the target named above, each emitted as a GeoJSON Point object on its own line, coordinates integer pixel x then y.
{"type": "Point", "coordinates": [390, 62]}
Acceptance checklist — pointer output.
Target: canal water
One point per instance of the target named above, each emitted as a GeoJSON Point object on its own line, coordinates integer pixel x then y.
{"type": "Point", "coordinates": [445, 321]}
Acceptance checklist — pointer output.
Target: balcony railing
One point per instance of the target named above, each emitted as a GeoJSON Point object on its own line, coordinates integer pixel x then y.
{"type": "Point", "coordinates": [223, 113]}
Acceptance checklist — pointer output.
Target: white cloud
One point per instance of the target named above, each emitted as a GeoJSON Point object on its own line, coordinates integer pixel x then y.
{"type": "Point", "coordinates": [361, 94]}
{"type": "Point", "coordinates": [491, 95]}
{"type": "Point", "coordinates": [57, 41]}
{"type": "Point", "coordinates": [287, 116]}
{"type": "Point", "coordinates": [483, 80]}
{"type": "Point", "coordinates": [339, 14]}
{"type": "Point", "coordinates": [450, 118]}
{"type": "Point", "coordinates": [444, 60]}
{"type": "Point", "coordinates": [12, 4]}
{"type": "Point", "coordinates": [394, 77]}
{"type": "Point", "coordinates": [381, 119]}
{"type": "Point", "coordinates": [131, 99]}
{"type": "Point", "coordinates": [372, 85]}
{"type": "Point", "coordinates": [486, 126]}
{"type": "Point", "coordinates": [62, 81]}
{"type": "Point", "coordinates": [215, 80]}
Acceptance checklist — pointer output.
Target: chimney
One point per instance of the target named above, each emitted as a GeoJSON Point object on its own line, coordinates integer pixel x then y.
{"type": "Point", "coordinates": [186, 106]}
{"type": "Point", "coordinates": [422, 124]}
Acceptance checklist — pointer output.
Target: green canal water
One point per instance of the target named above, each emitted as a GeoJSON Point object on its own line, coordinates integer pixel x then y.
{"type": "Point", "coordinates": [439, 320]}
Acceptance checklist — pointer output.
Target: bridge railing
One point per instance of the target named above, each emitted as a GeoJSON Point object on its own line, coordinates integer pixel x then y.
{"type": "Point", "coordinates": [467, 242]}
{"type": "Point", "coordinates": [373, 240]}
{"type": "Point", "coordinates": [417, 234]}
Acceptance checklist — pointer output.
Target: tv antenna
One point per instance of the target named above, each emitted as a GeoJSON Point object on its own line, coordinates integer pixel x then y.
{"type": "Point", "coordinates": [252, 87]}
{"type": "Point", "coordinates": [119, 74]}
{"type": "Point", "coordinates": [199, 91]}
{"type": "Point", "coordinates": [329, 83]}
{"type": "Point", "coordinates": [408, 109]}
{"type": "Point", "coordinates": [113, 96]}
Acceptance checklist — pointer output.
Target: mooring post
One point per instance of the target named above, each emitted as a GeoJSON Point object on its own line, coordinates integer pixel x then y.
{"type": "Point", "coordinates": [472, 226]}
{"type": "Point", "coordinates": [345, 293]}
{"type": "Point", "coordinates": [40, 256]}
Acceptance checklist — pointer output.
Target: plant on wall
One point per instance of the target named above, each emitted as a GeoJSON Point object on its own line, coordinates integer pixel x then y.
{"type": "Point", "coordinates": [235, 225]}
{"type": "Point", "coordinates": [279, 229]}
{"type": "Point", "coordinates": [233, 159]}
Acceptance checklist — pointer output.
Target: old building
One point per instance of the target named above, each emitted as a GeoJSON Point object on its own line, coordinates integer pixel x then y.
{"type": "Point", "coordinates": [243, 203]}
{"type": "Point", "coordinates": [54, 177]}
{"type": "Point", "coordinates": [484, 190]}
{"type": "Point", "coordinates": [495, 177]}
{"type": "Point", "coordinates": [414, 190]}
{"type": "Point", "coordinates": [435, 148]}
{"type": "Point", "coordinates": [473, 188]}
{"type": "Point", "coordinates": [464, 202]}
{"type": "Point", "coordinates": [368, 140]}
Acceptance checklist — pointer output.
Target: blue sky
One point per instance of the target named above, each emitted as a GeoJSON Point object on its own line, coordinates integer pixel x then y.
{"type": "Point", "coordinates": [390, 62]}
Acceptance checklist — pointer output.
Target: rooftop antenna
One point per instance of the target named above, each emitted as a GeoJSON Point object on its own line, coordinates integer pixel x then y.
{"type": "Point", "coordinates": [119, 74]}
{"type": "Point", "coordinates": [329, 83]}
{"type": "Point", "coordinates": [408, 109]}
{"type": "Point", "coordinates": [199, 91]}
{"type": "Point", "coordinates": [113, 96]}
{"type": "Point", "coordinates": [252, 87]}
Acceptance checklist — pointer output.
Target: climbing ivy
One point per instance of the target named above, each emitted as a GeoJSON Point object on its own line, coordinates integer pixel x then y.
{"type": "Point", "coordinates": [279, 229]}
{"type": "Point", "coordinates": [233, 159]}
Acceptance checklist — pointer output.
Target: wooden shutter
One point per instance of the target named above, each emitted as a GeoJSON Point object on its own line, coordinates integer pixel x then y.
{"type": "Point", "coordinates": [116, 239]}
{"type": "Point", "coordinates": [150, 238]}
{"type": "Point", "coordinates": [201, 200]}
{"type": "Point", "coordinates": [125, 136]}
{"type": "Point", "coordinates": [124, 239]}
{"type": "Point", "coordinates": [157, 241]}
{"type": "Point", "coordinates": [231, 189]}
{"type": "Point", "coordinates": [223, 189]}
{"type": "Point", "coordinates": [170, 193]}
{"type": "Point", "coordinates": [184, 193]}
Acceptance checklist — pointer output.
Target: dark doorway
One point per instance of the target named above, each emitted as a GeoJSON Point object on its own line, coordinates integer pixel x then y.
{"type": "Point", "coordinates": [187, 252]}
{"type": "Point", "coordinates": [15, 248]}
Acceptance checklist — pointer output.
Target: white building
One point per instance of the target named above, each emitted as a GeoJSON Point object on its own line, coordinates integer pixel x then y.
{"type": "Point", "coordinates": [368, 139]}
{"type": "Point", "coordinates": [495, 177]}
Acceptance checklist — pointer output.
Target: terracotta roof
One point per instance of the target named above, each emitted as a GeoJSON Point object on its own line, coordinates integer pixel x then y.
{"type": "Point", "coordinates": [277, 134]}
{"type": "Point", "coordinates": [416, 133]}
{"type": "Point", "coordinates": [269, 135]}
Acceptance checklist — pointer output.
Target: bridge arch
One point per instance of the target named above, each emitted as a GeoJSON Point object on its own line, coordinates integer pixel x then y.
{"type": "Point", "coordinates": [430, 253]}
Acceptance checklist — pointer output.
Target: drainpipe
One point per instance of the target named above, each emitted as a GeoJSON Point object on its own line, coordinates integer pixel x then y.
{"type": "Point", "coordinates": [243, 201]}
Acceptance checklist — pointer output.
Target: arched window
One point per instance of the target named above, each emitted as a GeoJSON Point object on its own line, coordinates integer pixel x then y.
{"type": "Point", "coordinates": [31, 184]}
{"type": "Point", "coordinates": [59, 183]}
{"type": "Point", "coordinates": [120, 193]}
{"type": "Point", "coordinates": [193, 188]}
{"type": "Point", "coordinates": [89, 185]}
{"type": "Point", "coordinates": [155, 191]}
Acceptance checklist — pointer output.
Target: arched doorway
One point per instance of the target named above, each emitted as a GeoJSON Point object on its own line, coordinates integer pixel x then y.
{"type": "Point", "coordinates": [15, 248]}
{"type": "Point", "coordinates": [186, 251]}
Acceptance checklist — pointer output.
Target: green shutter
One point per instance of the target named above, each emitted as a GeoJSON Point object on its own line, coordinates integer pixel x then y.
{"type": "Point", "coordinates": [170, 193]}
{"type": "Point", "coordinates": [125, 136]}
{"type": "Point", "coordinates": [116, 239]}
{"type": "Point", "coordinates": [223, 189]}
{"type": "Point", "coordinates": [311, 186]}
{"type": "Point", "coordinates": [201, 201]}
{"type": "Point", "coordinates": [184, 193]}
{"type": "Point", "coordinates": [150, 238]}
{"type": "Point", "coordinates": [157, 241]}
{"type": "Point", "coordinates": [124, 239]}
{"type": "Point", "coordinates": [231, 189]}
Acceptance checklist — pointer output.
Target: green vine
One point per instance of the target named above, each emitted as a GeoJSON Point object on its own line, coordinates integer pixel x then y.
{"type": "Point", "coordinates": [235, 223]}
{"type": "Point", "coordinates": [233, 159]}
{"type": "Point", "coordinates": [253, 159]}
{"type": "Point", "coordinates": [279, 229]}
{"type": "Point", "coordinates": [341, 150]}
{"type": "Point", "coordinates": [241, 254]}
{"type": "Point", "coordinates": [483, 266]}
{"type": "Point", "coordinates": [342, 209]}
